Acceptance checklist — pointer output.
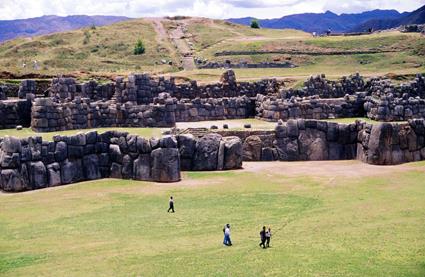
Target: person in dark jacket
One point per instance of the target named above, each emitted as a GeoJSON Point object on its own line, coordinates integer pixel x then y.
{"type": "Point", "coordinates": [171, 205]}
{"type": "Point", "coordinates": [263, 237]}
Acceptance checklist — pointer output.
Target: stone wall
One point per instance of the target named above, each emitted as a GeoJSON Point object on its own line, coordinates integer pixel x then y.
{"type": "Point", "coordinates": [49, 116]}
{"type": "Point", "coordinates": [201, 109]}
{"type": "Point", "coordinates": [31, 163]}
{"type": "Point", "coordinates": [211, 65]}
{"type": "Point", "coordinates": [273, 109]}
{"type": "Point", "coordinates": [14, 113]}
{"type": "Point", "coordinates": [392, 143]}
{"type": "Point", "coordinates": [300, 140]}
{"type": "Point", "coordinates": [3, 95]}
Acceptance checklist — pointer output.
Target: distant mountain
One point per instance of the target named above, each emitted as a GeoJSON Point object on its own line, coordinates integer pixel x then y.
{"type": "Point", "coordinates": [415, 17]}
{"type": "Point", "coordinates": [10, 29]}
{"type": "Point", "coordinates": [320, 22]}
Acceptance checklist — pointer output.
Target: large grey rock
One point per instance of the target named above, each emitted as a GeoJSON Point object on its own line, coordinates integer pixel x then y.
{"type": "Point", "coordinates": [54, 175]}
{"type": "Point", "coordinates": [61, 151]}
{"type": "Point", "coordinates": [233, 153]}
{"type": "Point", "coordinates": [115, 153]}
{"type": "Point", "coordinates": [165, 165]}
{"type": "Point", "coordinates": [206, 153]}
{"type": "Point", "coordinates": [312, 145]}
{"type": "Point", "coordinates": [12, 181]}
{"type": "Point", "coordinates": [127, 167]}
{"type": "Point", "coordinates": [116, 171]}
{"type": "Point", "coordinates": [220, 157]}
{"type": "Point", "coordinates": [9, 160]}
{"type": "Point", "coordinates": [143, 145]}
{"type": "Point", "coordinates": [252, 148]}
{"type": "Point", "coordinates": [187, 145]}
{"type": "Point", "coordinates": [11, 145]}
{"type": "Point", "coordinates": [142, 168]}
{"type": "Point", "coordinates": [168, 142]}
{"type": "Point", "coordinates": [91, 167]}
{"type": "Point", "coordinates": [379, 146]}
{"type": "Point", "coordinates": [287, 149]}
{"type": "Point", "coordinates": [71, 171]}
{"type": "Point", "coordinates": [37, 175]}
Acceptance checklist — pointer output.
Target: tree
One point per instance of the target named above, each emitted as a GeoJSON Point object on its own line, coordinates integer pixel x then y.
{"type": "Point", "coordinates": [139, 48]}
{"type": "Point", "coordinates": [255, 25]}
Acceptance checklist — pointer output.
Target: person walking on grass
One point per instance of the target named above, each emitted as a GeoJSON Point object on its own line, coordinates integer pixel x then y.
{"type": "Point", "coordinates": [171, 205]}
{"type": "Point", "coordinates": [226, 231]}
{"type": "Point", "coordinates": [268, 237]}
{"type": "Point", "coordinates": [263, 237]}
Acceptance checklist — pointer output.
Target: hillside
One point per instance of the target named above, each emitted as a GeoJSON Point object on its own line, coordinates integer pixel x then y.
{"type": "Point", "coordinates": [415, 17]}
{"type": "Point", "coordinates": [10, 29]}
{"type": "Point", "coordinates": [320, 22]}
{"type": "Point", "coordinates": [177, 45]}
{"type": "Point", "coordinates": [102, 49]}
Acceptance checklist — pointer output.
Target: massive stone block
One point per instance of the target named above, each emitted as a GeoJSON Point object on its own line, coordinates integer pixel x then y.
{"type": "Point", "coordinates": [233, 153]}
{"type": "Point", "coordinates": [91, 167]}
{"type": "Point", "coordinates": [12, 181]}
{"type": "Point", "coordinates": [165, 165]}
{"type": "Point", "coordinates": [142, 168]}
{"type": "Point", "coordinates": [252, 148]}
{"type": "Point", "coordinates": [206, 153]}
{"type": "Point", "coordinates": [38, 175]}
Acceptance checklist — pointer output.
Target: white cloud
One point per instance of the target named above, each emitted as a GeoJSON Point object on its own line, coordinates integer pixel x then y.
{"type": "Point", "coordinates": [12, 9]}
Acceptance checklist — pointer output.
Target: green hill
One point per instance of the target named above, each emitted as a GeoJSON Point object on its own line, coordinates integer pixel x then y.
{"type": "Point", "coordinates": [172, 44]}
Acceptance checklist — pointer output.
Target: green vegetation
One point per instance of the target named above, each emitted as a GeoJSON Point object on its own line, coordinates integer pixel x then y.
{"type": "Point", "coordinates": [255, 25]}
{"type": "Point", "coordinates": [139, 49]}
{"type": "Point", "coordinates": [102, 50]}
{"type": "Point", "coordinates": [339, 226]}
{"type": "Point", "coordinates": [27, 132]}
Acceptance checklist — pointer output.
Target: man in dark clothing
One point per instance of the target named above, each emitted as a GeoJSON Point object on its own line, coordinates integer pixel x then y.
{"type": "Point", "coordinates": [263, 237]}
{"type": "Point", "coordinates": [171, 205]}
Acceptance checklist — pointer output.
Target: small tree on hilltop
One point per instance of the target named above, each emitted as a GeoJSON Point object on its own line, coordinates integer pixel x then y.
{"type": "Point", "coordinates": [255, 25]}
{"type": "Point", "coordinates": [139, 49]}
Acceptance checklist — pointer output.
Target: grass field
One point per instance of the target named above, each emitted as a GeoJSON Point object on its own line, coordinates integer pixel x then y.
{"type": "Point", "coordinates": [234, 124]}
{"type": "Point", "coordinates": [27, 132]}
{"type": "Point", "coordinates": [328, 225]}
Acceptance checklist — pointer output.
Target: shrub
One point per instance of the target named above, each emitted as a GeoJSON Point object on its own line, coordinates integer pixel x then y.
{"type": "Point", "coordinates": [139, 48]}
{"type": "Point", "coordinates": [255, 25]}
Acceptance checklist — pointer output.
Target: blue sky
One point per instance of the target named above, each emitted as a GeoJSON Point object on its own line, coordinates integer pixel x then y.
{"type": "Point", "coordinates": [13, 9]}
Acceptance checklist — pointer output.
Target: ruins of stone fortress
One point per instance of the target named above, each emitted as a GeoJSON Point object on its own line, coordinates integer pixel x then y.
{"type": "Point", "coordinates": [146, 101]}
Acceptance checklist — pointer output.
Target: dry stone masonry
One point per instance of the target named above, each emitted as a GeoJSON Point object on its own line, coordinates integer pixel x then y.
{"type": "Point", "coordinates": [31, 163]}
{"type": "Point", "coordinates": [146, 101]}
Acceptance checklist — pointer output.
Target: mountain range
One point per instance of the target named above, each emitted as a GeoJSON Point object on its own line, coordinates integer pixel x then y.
{"type": "Point", "coordinates": [10, 29]}
{"type": "Point", "coordinates": [320, 22]}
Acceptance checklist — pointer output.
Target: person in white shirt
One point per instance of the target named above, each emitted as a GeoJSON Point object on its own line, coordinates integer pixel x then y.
{"type": "Point", "coordinates": [226, 231]}
{"type": "Point", "coordinates": [268, 237]}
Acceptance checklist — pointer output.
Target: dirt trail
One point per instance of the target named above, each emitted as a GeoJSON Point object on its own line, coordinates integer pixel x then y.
{"type": "Point", "coordinates": [176, 42]}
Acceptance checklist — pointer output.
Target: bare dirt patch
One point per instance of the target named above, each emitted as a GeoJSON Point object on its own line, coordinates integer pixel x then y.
{"type": "Point", "coordinates": [350, 168]}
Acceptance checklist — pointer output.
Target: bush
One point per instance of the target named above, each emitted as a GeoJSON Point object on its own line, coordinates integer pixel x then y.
{"type": "Point", "coordinates": [255, 25]}
{"type": "Point", "coordinates": [139, 48]}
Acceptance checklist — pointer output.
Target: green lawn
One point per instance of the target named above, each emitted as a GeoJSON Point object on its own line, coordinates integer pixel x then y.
{"type": "Point", "coordinates": [27, 132]}
{"type": "Point", "coordinates": [370, 226]}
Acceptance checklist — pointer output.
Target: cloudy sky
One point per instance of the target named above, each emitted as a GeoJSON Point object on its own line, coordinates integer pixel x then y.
{"type": "Point", "coordinates": [13, 9]}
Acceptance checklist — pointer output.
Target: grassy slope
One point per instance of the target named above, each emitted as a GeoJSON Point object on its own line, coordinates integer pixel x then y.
{"type": "Point", "coordinates": [107, 49]}
{"type": "Point", "coordinates": [408, 57]}
{"type": "Point", "coordinates": [322, 227]}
